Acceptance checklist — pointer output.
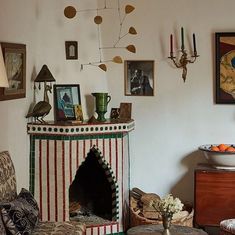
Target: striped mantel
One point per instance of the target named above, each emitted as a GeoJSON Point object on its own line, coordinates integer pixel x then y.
{"type": "Point", "coordinates": [56, 152]}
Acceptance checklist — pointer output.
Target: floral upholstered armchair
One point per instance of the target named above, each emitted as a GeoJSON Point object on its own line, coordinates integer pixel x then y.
{"type": "Point", "coordinates": [19, 214]}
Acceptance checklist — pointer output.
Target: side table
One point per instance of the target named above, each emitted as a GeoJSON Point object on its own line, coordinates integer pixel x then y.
{"type": "Point", "coordinates": [158, 230]}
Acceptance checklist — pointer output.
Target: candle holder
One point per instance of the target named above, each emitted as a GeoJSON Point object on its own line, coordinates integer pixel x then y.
{"type": "Point", "coordinates": [183, 61]}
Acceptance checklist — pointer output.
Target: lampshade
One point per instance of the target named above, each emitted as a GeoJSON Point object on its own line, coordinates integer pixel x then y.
{"type": "Point", "coordinates": [44, 75]}
{"type": "Point", "coordinates": [3, 73]}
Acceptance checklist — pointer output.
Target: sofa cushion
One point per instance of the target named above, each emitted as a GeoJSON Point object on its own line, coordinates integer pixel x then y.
{"type": "Point", "coordinates": [21, 215]}
{"type": "Point", "coordinates": [7, 178]}
{"type": "Point", "coordinates": [2, 227]}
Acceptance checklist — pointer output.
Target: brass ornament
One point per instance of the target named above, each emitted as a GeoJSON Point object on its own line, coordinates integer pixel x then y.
{"type": "Point", "coordinates": [132, 31]}
{"type": "Point", "coordinates": [129, 9]}
{"type": "Point", "coordinates": [117, 60]}
{"type": "Point", "coordinates": [98, 19]}
{"type": "Point", "coordinates": [103, 67]}
{"type": "Point", "coordinates": [70, 12]}
{"type": "Point", "coordinates": [131, 48]}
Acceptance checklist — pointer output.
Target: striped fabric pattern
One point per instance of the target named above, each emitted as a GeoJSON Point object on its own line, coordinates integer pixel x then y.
{"type": "Point", "coordinates": [54, 162]}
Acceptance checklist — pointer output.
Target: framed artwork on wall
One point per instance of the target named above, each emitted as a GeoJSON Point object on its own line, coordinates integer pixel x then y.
{"type": "Point", "coordinates": [67, 102]}
{"type": "Point", "coordinates": [225, 68]}
{"type": "Point", "coordinates": [71, 50]}
{"type": "Point", "coordinates": [15, 63]}
{"type": "Point", "coordinates": [139, 77]}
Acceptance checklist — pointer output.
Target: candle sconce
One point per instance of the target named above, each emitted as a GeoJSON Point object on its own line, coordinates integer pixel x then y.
{"type": "Point", "coordinates": [183, 60]}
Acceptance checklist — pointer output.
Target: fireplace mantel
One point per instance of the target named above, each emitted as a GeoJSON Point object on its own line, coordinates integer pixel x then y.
{"type": "Point", "coordinates": [57, 150]}
{"type": "Point", "coordinates": [71, 129]}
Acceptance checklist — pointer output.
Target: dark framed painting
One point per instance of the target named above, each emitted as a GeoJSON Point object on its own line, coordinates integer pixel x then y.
{"type": "Point", "coordinates": [71, 50]}
{"type": "Point", "coordinates": [225, 68]}
{"type": "Point", "coordinates": [67, 102]}
{"type": "Point", "coordinates": [15, 62]}
{"type": "Point", "coordinates": [139, 77]}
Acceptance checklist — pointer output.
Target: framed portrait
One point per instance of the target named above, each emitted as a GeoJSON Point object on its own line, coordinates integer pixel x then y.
{"type": "Point", "coordinates": [15, 62]}
{"type": "Point", "coordinates": [71, 50]}
{"type": "Point", "coordinates": [139, 77]}
{"type": "Point", "coordinates": [225, 68]}
{"type": "Point", "coordinates": [67, 102]}
{"type": "Point", "coordinates": [114, 113]}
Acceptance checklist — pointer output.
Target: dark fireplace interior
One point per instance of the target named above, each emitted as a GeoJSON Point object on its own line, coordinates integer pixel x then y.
{"type": "Point", "coordinates": [90, 193]}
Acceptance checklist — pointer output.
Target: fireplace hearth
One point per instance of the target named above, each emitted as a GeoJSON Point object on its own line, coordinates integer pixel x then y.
{"type": "Point", "coordinates": [73, 180]}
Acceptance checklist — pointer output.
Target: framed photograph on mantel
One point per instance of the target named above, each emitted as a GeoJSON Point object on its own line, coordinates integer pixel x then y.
{"type": "Point", "coordinates": [225, 68]}
{"type": "Point", "coordinates": [139, 77]}
{"type": "Point", "coordinates": [15, 63]}
{"type": "Point", "coordinates": [67, 102]}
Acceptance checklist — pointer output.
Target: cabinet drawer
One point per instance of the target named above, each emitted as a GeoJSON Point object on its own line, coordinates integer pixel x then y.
{"type": "Point", "coordinates": [214, 196]}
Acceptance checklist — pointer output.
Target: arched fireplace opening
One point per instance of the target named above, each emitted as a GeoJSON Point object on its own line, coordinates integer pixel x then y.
{"type": "Point", "coordinates": [93, 193]}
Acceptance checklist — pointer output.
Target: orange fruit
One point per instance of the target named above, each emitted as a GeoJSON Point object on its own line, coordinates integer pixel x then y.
{"type": "Point", "coordinates": [230, 149]}
{"type": "Point", "coordinates": [222, 147]}
{"type": "Point", "coordinates": [215, 148]}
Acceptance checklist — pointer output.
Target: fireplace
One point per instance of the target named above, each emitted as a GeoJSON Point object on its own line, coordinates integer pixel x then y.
{"type": "Point", "coordinates": [94, 191]}
{"type": "Point", "coordinates": [81, 172]}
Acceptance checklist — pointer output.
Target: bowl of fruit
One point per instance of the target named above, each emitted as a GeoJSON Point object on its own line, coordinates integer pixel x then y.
{"type": "Point", "coordinates": [220, 156]}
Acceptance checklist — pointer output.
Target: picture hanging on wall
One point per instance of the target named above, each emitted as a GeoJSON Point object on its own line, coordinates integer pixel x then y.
{"type": "Point", "coordinates": [139, 77]}
{"type": "Point", "coordinates": [225, 68]}
{"type": "Point", "coordinates": [67, 102]}
{"type": "Point", "coordinates": [71, 50]}
{"type": "Point", "coordinates": [15, 62]}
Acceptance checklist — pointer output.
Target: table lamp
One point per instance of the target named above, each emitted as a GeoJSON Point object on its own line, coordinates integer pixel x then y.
{"type": "Point", "coordinates": [3, 73]}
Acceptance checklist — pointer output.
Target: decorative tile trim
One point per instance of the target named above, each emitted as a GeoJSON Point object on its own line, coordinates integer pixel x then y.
{"type": "Point", "coordinates": [82, 129]}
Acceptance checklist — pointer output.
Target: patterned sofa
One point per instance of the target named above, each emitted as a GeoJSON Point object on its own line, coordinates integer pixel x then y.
{"type": "Point", "coordinates": [28, 216]}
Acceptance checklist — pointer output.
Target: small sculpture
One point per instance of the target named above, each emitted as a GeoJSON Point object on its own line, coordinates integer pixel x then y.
{"type": "Point", "coordinates": [42, 108]}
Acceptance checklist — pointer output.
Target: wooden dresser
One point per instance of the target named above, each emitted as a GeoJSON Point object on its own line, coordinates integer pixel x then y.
{"type": "Point", "coordinates": [214, 195]}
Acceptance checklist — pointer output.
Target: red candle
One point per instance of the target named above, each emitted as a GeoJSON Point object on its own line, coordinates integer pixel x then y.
{"type": "Point", "coordinates": [171, 44]}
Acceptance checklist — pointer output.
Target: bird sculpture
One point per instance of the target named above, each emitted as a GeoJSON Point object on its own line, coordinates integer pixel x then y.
{"type": "Point", "coordinates": [42, 108]}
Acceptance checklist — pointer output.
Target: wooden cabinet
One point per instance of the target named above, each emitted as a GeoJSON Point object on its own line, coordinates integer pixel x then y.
{"type": "Point", "coordinates": [214, 195]}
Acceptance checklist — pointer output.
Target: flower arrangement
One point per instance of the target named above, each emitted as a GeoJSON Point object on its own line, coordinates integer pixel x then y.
{"type": "Point", "coordinates": [167, 206]}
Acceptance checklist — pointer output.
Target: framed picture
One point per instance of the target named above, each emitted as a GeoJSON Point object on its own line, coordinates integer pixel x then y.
{"type": "Point", "coordinates": [114, 114]}
{"type": "Point", "coordinates": [139, 77]}
{"type": "Point", "coordinates": [71, 50]}
{"type": "Point", "coordinates": [67, 102]}
{"type": "Point", "coordinates": [225, 68]}
{"type": "Point", "coordinates": [125, 111]}
{"type": "Point", "coordinates": [15, 63]}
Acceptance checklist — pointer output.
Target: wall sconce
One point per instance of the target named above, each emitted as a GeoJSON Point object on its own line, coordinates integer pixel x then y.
{"type": "Point", "coordinates": [183, 61]}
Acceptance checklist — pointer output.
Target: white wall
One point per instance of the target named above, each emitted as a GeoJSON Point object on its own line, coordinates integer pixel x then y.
{"type": "Point", "coordinates": [169, 126]}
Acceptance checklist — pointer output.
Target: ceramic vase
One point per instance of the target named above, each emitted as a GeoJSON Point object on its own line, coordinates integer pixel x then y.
{"type": "Point", "coordinates": [101, 101]}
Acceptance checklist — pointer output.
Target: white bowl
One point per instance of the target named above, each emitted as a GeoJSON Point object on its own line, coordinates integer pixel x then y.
{"type": "Point", "coordinates": [219, 160]}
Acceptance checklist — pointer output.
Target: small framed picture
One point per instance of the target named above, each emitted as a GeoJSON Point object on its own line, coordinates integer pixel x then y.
{"type": "Point", "coordinates": [67, 102]}
{"type": "Point", "coordinates": [15, 63]}
{"type": "Point", "coordinates": [114, 114]}
{"type": "Point", "coordinates": [125, 111]}
{"type": "Point", "coordinates": [139, 77]}
{"type": "Point", "coordinates": [225, 64]}
{"type": "Point", "coordinates": [71, 50]}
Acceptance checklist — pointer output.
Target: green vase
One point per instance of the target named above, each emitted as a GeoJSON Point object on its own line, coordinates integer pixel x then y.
{"type": "Point", "coordinates": [101, 103]}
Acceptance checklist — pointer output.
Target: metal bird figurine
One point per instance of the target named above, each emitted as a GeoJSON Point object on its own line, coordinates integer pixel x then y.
{"type": "Point", "coordinates": [42, 108]}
